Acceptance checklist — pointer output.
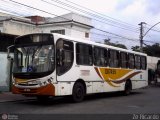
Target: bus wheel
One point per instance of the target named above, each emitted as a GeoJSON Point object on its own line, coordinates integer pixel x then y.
{"type": "Point", "coordinates": [78, 92]}
{"type": "Point", "coordinates": [128, 87]}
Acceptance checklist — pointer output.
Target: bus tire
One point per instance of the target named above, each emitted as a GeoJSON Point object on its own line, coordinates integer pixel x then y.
{"type": "Point", "coordinates": [78, 92]}
{"type": "Point", "coordinates": [128, 87]}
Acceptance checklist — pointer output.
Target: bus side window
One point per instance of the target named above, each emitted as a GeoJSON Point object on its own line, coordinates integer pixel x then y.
{"type": "Point", "coordinates": [131, 61]}
{"type": "Point", "coordinates": [143, 63]}
{"type": "Point", "coordinates": [64, 56]}
{"type": "Point", "coordinates": [84, 54]}
{"type": "Point", "coordinates": [113, 58]}
{"type": "Point", "coordinates": [137, 62]}
{"type": "Point", "coordinates": [123, 60]}
{"type": "Point", "coordinates": [100, 56]}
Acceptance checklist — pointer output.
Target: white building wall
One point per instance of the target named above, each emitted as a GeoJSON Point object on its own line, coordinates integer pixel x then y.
{"type": "Point", "coordinates": [74, 31]}
{"type": "Point", "coordinates": [4, 72]}
{"type": "Point", "coordinates": [18, 28]}
{"type": "Point", "coordinates": [79, 32]}
{"type": "Point", "coordinates": [25, 27]}
{"type": "Point", "coordinates": [49, 28]}
{"type": "Point", "coordinates": [71, 16]}
{"type": "Point", "coordinates": [78, 18]}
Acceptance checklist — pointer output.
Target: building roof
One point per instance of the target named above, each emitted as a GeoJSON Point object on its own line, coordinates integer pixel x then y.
{"type": "Point", "coordinates": [70, 18]}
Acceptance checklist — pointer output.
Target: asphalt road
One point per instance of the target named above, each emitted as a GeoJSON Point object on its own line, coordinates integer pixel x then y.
{"type": "Point", "coordinates": [144, 101]}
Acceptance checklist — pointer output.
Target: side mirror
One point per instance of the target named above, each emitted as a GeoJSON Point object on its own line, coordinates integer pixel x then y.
{"type": "Point", "coordinates": [8, 52]}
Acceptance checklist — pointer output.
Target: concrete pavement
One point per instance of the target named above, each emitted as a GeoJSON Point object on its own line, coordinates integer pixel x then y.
{"type": "Point", "coordinates": [8, 96]}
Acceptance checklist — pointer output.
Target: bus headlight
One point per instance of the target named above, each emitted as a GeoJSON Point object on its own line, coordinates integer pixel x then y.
{"type": "Point", "coordinates": [52, 80]}
{"type": "Point", "coordinates": [48, 81]}
{"type": "Point", "coordinates": [13, 80]}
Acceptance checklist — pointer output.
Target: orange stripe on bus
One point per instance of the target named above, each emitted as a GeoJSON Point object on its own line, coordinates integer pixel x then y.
{"type": "Point", "coordinates": [126, 78]}
{"type": "Point", "coordinates": [98, 72]}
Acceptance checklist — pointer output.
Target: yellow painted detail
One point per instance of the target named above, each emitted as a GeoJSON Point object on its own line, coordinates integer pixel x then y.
{"type": "Point", "coordinates": [17, 80]}
{"type": "Point", "coordinates": [113, 74]}
{"type": "Point", "coordinates": [109, 75]}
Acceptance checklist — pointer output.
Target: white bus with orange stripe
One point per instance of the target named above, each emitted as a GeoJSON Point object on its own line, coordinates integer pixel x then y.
{"type": "Point", "coordinates": [56, 65]}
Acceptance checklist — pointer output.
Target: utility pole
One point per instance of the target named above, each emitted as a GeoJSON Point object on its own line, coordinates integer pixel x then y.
{"type": "Point", "coordinates": [141, 35]}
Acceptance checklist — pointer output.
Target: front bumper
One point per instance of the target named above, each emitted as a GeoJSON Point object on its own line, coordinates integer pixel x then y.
{"type": "Point", "coordinates": [45, 90]}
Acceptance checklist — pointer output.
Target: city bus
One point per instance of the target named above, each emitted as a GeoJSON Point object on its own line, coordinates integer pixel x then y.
{"type": "Point", "coordinates": [46, 64]}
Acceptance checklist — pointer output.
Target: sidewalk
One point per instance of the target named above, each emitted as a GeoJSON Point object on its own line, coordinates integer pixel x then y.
{"type": "Point", "coordinates": [8, 97]}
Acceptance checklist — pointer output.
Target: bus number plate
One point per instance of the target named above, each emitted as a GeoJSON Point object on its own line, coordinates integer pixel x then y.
{"type": "Point", "coordinates": [27, 90]}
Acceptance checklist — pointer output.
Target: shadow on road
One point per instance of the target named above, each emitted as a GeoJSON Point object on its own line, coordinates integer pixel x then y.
{"type": "Point", "coordinates": [110, 95]}
{"type": "Point", "coordinates": [157, 85]}
{"type": "Point", "coordinates": [67, 100]}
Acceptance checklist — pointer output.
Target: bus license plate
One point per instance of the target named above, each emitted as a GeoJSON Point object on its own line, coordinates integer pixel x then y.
{"type": "Point", "coordinates": [27, 90]}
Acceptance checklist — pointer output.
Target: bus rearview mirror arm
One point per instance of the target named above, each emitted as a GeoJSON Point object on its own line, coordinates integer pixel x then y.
{"type": "Point", "coordinates": [8, 52]}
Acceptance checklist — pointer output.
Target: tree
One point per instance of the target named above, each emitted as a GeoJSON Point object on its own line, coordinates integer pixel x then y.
{"type": "Point", "coordinates": [151, 50]}
{"type": "Point", "coordinates": [136, 48]}
{"type": "Point", "coordinates": [107, 42]}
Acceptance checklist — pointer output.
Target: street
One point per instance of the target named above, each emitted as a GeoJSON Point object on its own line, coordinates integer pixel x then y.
{"type": "Point", "coordinates": [140, 101]}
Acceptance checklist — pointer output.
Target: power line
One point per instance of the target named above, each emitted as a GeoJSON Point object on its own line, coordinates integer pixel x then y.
{"type": "Point", "coordinates": [91, 14]}
{"type": "Point", "coordinates": [54, 14]}
{"type": "Point", "coordinates": [117, 35]}
{"type": "Point", "coordinates": [37, 9]}
{"type": "Point", "coordinates": [155, 28]}
{"type": "Point", "coordinates": [90, 32]}
{"type": "Point", "coordinates": [87, 13]}
{"type": "Point", "coordinates": [95, 28]}
{"type": "Point", "coordinates": [11, 8]}
{"type": "Point", "coordinates": [69, 19]}
{"type": "Point", "coordinates": [13, 12]}
{"type": "Point", "coordinates": [92, 18]}
{"type": "Point", "coordinates": [119, 21]}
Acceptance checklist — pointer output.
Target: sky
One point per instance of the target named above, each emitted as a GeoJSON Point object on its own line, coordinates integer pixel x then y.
{"type": "Point", "coordinates": [120, 17]}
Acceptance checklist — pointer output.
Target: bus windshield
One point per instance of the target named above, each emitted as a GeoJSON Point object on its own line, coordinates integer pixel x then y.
{"type": "Point", "coordinates": [34, 56]}
{"type": "Point", "coordinates": [34, 59]}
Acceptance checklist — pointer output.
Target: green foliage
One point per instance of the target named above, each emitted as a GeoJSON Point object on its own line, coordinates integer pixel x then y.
{"type": "Point", "coordinates": [136, 48]}
{"type": "Point", "coordinates": [151, 50]}
{"type": "Point", "coordinates": [107, 42]}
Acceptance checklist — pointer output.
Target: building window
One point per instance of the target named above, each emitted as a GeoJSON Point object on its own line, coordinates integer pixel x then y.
{"type": "Point", "coordinates": [58, 31]}
{"type": "Point", "coordinates": [84, 54]}
{"type": "Point", "coordinates": [86, 35]}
